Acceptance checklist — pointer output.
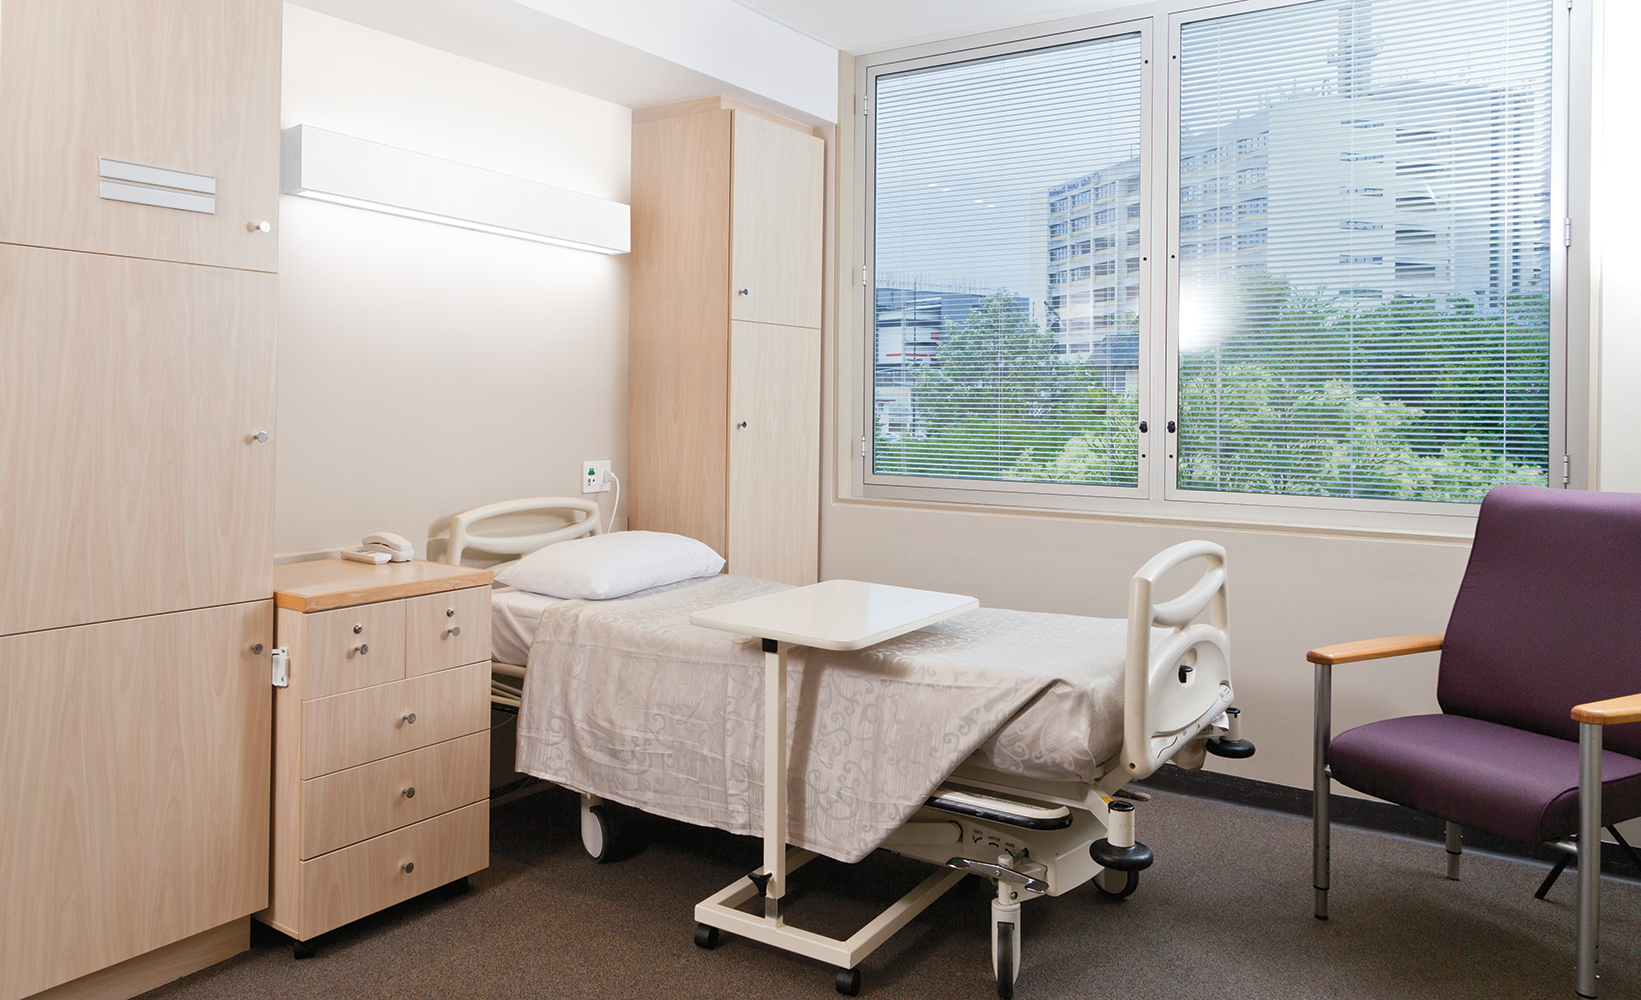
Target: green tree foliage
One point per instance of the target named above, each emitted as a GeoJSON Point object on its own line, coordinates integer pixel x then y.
{"type": "Point", "coordinates": [1408, 399]}
{"type": "Point", "coordinates": [998, 403]}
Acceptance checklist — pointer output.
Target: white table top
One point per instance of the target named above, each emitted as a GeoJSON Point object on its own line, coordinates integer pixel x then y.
{"type": "Point", "coordinates": [837, 614]}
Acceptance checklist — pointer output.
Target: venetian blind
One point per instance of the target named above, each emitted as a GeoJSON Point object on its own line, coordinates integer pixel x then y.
{"type": "Point", "coordinates": [1364, 246]}
{"type": "Point", "coordinates": [1006, 249]}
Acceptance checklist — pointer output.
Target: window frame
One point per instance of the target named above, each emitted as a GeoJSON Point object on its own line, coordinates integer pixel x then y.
{"type": "Point", "coordinates": [1157, 495]}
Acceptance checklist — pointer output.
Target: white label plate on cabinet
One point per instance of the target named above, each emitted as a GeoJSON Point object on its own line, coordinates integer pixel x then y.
{"type": "Point", "coordinates": [145, 185]}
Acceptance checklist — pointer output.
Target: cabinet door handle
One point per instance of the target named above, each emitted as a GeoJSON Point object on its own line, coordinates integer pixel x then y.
{"type": "Point", "coordinates": [408, 867]}
{"type": "Point", "coordinates": [257, 227]}
{"type": "Point", "coordinates": [358, 628]}
{"type": "Point", "coordinates": [746, 291]}
{"type": "Point", "coordinates": [454, 630]}
{"type": "Point", "coordinates": [362, 648]}
{"type": "Point", "coordinates": [410, 792]}
{"type": "Point", "coordinates": [450, 612]}
{"type": "Point", "coordinates": [258, 437]}
{"type": "Point", "coordinates": [741, 425]}
{"type": "Point", "coordinates": [410, 717]}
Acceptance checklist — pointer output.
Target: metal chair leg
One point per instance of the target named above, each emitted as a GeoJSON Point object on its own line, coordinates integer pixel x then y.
{"type": "Point", "coordinates": [1635, 859]}
{"type": "Point", "coordinates": [1550, 879]}
{"type": "Point", "coordinates": [1319, 783]}
{"type": "Point", "coordinates": [1455, 849]}
{"type": "Point", "coordinates": [1589, 856]}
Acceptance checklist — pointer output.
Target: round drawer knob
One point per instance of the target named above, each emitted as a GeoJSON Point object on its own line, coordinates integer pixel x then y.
{"type": "Point", "coordinates": [450, 612]}
{"type": "Point", "coordinates": [362, 648]}
{"type": "Point", "coordinates": [408, 867]}
{"type": "Point", "coordinates": [454, 630]}
{"type": "Point", "coordinates": [258, 227]}
{"type": "Point", "coordinates": [410, 717]}
{"type": "Point", "coordinates": [410, 792]}
{"type": "Point", "coordinates": [357, 629]}
{"type": "Point", "coordinates": [257, 649]}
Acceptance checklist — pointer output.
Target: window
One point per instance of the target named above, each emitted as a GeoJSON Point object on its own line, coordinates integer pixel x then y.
{"type": "Point", "coordinates": [1349, 265]}
{"type": "Point", "coordinates": [1294, 382]}
{"type": "Point", "coordinates": [1003, 400]}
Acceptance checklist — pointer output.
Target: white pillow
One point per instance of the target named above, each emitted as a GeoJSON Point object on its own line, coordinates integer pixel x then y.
{"type": "Point", "coordinates": [600, 567]}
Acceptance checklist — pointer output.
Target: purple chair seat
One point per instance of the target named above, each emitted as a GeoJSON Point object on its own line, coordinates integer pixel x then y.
{"type": "Point", "coordinates": [1509, 782]}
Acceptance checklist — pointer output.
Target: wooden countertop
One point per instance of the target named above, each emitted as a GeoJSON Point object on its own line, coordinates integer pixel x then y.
{"type": "Point", "coordinates": [322, 584]}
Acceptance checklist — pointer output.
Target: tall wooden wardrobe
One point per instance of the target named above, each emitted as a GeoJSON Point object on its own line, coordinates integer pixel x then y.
{"type": "Point", "coordinates": [724, 342]}
{"type": "Point", "coordinates": [139, 161]}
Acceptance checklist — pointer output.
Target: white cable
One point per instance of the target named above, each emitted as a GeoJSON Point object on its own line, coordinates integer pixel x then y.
{"type": "Point", "coordinates": [617, 505]}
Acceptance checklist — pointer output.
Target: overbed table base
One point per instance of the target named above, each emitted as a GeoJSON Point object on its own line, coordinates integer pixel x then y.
{"type": "Point", "coordinates": [720, 910]}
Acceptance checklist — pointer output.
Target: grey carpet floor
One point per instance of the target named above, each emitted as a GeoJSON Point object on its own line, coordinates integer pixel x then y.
{"type": "Point", "coordinates": [1225, 912]}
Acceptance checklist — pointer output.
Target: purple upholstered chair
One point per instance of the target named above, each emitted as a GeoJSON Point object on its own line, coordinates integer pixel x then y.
{"type": "Point", "coordinates": [1546, 622]}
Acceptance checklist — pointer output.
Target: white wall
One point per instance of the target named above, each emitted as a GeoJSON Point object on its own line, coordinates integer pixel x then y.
{"type": "Point", "coordinates": [424, 369]}
{"type": "Point", "coordinates": [1618, 220]}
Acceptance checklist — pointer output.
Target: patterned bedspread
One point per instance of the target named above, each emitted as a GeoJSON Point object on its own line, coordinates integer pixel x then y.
{"type": "Point", "coordinates": [627, 700]}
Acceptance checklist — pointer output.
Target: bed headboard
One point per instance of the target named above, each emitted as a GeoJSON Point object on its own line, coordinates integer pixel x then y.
{"type": "Point", "coordinates": [582, 515]}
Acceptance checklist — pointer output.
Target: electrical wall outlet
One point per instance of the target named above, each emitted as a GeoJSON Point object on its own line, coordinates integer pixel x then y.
{"type": "Point", "coordinates": [592, 476]}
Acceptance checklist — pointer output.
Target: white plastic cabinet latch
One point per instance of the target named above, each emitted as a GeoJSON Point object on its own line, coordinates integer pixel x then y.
{"type": "Point", "coordinates": [281, 668]}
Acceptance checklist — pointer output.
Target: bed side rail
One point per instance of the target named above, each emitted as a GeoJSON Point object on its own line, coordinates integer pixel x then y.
{"type": "Point", "coordinates": [1176, 686]}
{"type": "Point", "coordinates": [461, 526]}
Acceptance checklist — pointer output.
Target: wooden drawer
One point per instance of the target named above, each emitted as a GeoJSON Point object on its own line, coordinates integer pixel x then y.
{"type": "Point", "coordinates": [348, 884]}
{"type": "Point", "coordinates": [350, 648]}
{"type": "Point", "coordinates": [447, 630]}
{"type": "Point", "coordinates": [357, 727]}
{"type": "Point", "coordinates": [361, 802]}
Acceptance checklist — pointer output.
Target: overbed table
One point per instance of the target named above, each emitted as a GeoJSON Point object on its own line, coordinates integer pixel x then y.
{"type": "Point", "coordinates": [838, 615]}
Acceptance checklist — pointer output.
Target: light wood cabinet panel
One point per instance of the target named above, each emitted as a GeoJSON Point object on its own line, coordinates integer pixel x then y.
{"type": "Point", "coordinates": [777, 209]}
{"type": "Point", "coordinates": [446, 630]}
{"type": "Point", "coordinates": [135, 787]}
{"type": "Point", "coordinates": [129, 481]}
{"type": "Point", "coordinates": [348, 884]}
{"type": "Point", "coordinates": [187, 85]}
{"type": "Point", "coordinates": [722, 191]}
{"type": "Point", "coordinates": [362, 802]}
{"type": "Point", "coordinates": [678, 344]}
{"type": "Point", "coordinates": [348, 729]}
{"type": "Point", "coordinates": [351, 648]}
{"type": "Point", "coordinates": [774, 460]}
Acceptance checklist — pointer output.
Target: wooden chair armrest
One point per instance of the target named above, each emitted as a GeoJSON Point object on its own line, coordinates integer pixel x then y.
{"type": "Point", "coordinates": [1610, 712]}
{"type": "Point", "coordinates": [1376, 649]}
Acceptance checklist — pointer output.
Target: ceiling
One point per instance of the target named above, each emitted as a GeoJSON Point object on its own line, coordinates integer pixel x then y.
{"type": "Point", "coordinates": [862, 26]}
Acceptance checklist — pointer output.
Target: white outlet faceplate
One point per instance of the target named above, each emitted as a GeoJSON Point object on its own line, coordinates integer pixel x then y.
{"type": "Point", "coordinates": [592, 476]}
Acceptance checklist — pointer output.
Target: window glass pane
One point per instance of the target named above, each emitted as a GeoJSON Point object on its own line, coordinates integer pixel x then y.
{"type": "Point", "coordinates": [1006, 301]}
{"type": "Point", "coordinates": [1364, 246]}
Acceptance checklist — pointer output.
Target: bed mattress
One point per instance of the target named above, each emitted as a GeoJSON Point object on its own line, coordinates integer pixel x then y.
{"type": "Point", "coordinates": [514, 616]}
{"type": "Point", "coordinates": [627, 700]}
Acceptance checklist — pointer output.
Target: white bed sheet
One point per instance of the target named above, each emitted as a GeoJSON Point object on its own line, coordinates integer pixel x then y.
{"type": "Point", "coordinates": [514, 616]}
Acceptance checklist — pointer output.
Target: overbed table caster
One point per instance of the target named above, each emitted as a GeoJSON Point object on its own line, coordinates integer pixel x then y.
{"type": "Point", "coordinates": [840, 615]}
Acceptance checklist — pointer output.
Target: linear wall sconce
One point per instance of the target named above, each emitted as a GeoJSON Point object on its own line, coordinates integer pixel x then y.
{"type": "Point", "coordinates": [344, 170]}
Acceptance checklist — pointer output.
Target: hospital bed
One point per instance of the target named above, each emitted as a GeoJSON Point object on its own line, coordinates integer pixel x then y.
{"type": "Point", "coordinates": [1034, 831]}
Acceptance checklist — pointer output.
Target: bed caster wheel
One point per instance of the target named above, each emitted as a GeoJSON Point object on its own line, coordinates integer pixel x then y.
{"type": "Point", "coordinates": [597, 833]}
{"type": "Point", "coordinates": [706, 937]}
{"type": "Point", "coordinates": [305, 949]}
{"type": "Point", "coordinates": [1117, 884]}
{"type": "Point", "coordinates": [847, 982]}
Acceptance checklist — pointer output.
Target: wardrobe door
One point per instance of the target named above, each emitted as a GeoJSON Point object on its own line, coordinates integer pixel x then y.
{"type": "Point", "coordinates": [131, 478]}
{"type": "Point", "coordinates": [181, 95]}
{"type": "Point", "coordinates": [776, 222]}
{"type": "Point", "coordinates": [135, 788]}
{"type": "Point", "coordinates": [774, 453]}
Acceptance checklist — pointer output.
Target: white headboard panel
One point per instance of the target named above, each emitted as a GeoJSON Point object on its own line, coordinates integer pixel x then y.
{"type": "Point", "coordinates": [583, 515]}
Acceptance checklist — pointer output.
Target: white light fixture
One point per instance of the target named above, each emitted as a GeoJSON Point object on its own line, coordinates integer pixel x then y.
{"type": "Point", "coordinates": [358, 173]}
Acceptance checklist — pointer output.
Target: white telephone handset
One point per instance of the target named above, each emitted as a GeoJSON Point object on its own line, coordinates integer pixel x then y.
{"type": "Point", "coordinates": [396, 547]}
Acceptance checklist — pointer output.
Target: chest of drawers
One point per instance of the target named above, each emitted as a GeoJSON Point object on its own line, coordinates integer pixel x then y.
{"type": "Point", "coordinates": [381, 740]}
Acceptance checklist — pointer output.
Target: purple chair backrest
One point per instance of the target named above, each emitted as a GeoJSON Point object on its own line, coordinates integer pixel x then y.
{"type": "Point", "coordinates": [1549, 613]}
